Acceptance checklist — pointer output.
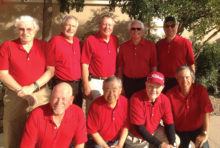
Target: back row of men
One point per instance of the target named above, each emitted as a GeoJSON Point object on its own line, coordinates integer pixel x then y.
{"type": "Point", "coordinates": [27, 64]}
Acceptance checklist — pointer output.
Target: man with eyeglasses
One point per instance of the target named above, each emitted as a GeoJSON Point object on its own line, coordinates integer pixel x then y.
{"type": "Point", "coordinates": [24, 70]}
{"type": "Point", "coordinates": [148, 108]}
{"type": "Point", "coordinates": [173, 51]}
{"type": "Point", "coordinates": [137, 58]}
{"type": "Point", "coordinates": [65, 53]}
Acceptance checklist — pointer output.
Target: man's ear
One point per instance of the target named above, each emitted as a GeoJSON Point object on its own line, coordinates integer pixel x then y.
{"type": "Point", "coordinates": [71, 99]}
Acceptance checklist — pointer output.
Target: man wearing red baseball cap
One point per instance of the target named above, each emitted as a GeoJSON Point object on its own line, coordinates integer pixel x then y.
{"type": "Point", "coordinates": [147, 108]}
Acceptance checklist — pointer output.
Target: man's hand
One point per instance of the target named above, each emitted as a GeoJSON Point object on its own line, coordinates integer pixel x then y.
{"type": "Point", "coordinates": [165, 145]}
{"type": "Point", "coordinates": [87, 92]}
{"type": "Point", "coordinates": [26, 90]}
{"type": "Point", "coordinates": [30, 99]}
{"type": "Point", "coordinates": [117, 146]}
{"type": "Point", "coordinates": [200, 140]}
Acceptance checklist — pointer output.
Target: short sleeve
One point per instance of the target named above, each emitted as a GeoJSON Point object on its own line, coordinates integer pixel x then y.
{"type": "Point", "coordinates": [168, 116]}
{"type": "Point", "coordinates": [4, 56]}
{"type": "Point", "coordinates": [92, 125]}
{"type": "Point", "coordinates": [86, 51]}
{"type": "Point", "coordinates": [51, 53]}
{"type": "Point", "coordinates": [153, 55]}
{"type": "Point", "coordinates": [190, 57]}
{"type": "Point", "coordinates": [205, 103]}
{"type": "Point", "coordinates": [81, 133]}
{"type": "Point", "coordinates": [136, 111]}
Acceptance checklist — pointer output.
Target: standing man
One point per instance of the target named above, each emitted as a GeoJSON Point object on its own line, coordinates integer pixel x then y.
{"type": "Point", "coordinates": [173, 51]}
{"type": "Point", "coordinates": [147, 108]}
{"type": "Point", "coordinates": [65, 52]}
{"type": "Point", "coordinates": [99, 58]}
{"type": "Point", "coordinates": [25, 72]}
{"type": "Point", "coordinates": [191, 108]}
{"type": "Point", "coordinates": [56, 124]}
{"type": "Point", "coordinates": [137, 58]}
{"type": "Point", "coordinates": [108, 116]}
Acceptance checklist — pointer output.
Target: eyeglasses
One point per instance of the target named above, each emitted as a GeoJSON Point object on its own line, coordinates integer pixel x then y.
{"type": "Point", "coordinates": [138, 29]}
{"type": "Point", "coordinates": [168, 26]}
{"type": "Point", "coordinates": [25, 29]}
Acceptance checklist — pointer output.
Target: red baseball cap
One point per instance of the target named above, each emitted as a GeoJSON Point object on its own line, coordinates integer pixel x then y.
{"type": "Point", "coordinates": [156, 77]}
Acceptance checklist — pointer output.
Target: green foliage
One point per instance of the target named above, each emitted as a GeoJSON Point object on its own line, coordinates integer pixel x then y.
{"type": "Point", "coordinates": [207, 67]}
{"type": "Point", "coordinates": [67, 5]}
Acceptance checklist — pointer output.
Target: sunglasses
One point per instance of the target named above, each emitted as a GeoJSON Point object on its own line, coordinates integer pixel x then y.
{"type": "Point", "coordinates": [168, 26]}
{"type": "Point", "coordinates": [138, 29]}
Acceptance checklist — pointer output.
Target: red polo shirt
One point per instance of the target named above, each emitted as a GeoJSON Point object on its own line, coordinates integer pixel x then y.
{"type": "Point", "coordinates": [41, 131]}
{"type": "Point", "coordinates": [137, 61]}
{"type": "Point", "coordinates": [66, 57]}
{"type": "Point", "coordinates": [107, 121]}
{"type": "Point", "coordinates": [188, 111]}
{"type": "Point", "coordinates": [24, 67]}
{"type": "Point", "coordinates": [100, 56]}
{"type": "Point", "coordinates": [142, 112]}
{"type": "Point", "coordinates": [173, 55]}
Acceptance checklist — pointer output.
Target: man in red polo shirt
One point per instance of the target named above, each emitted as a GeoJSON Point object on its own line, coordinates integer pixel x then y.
{"type": "Point", "coordinates": [173, 51]}
{"type": "Point", "coordinates": [107, 121]}
{"type": "Point", "coordinates": [147, 109]}
{"type": "Point", "coordinates": [25, 71]}
{"type": "Point", "coordinates": [137, 58]}
{"type": "Point", "coordinates": [191, 108]}
{"type": "Point", "coordinates": [56, 124]}
{"type": "Point", "coordinates": [99, 58]}
{"type": "Point", "coordinates": [65, 52]}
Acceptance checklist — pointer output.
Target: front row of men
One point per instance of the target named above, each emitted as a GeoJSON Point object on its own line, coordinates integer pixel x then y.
{"type": "Point", "coordinates": [148, 120]}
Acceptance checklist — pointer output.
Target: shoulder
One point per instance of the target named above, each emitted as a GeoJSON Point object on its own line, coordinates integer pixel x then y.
{"type": "Point", "coordinates": [114, 37]}
{"type": "Point", "coordinates": [75, 111]}
{"type": "Point", "coordinates": [56, 37]}
{"type": "Point", "coordinates": [76, 39]}
{"type": "Point", "coordinates": [160, 41]}
{"type": "Point", "coordinates": [148, 42]}
{"type": "Point", "coordinates": [9, 43]}
{"type": "Point", "coordinates": [138, 96]}
{"type": "Point", "coordinates": [172, 90]}
{"type": "Point", "coordinates": [41, 111]}
{"type": "Point", "coordinates": [125, 44]}
{"type": "Point", "coordinates": [198, 87]}
{"type": "Point", "coordinates": [123, 99]}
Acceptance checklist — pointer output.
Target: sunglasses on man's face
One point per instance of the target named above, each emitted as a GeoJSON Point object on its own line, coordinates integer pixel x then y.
{"type": "Point", "coordinates": [168, 26]}
{"type": "Point", "coordinates": [138, 29]}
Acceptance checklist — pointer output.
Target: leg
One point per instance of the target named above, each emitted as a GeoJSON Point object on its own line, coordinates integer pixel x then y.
{"type": "Point", "coordinates": [184, 139]}
{"type": "Point", "coordinates": [14, 119]}
{"type": "Point", "coordinates": [96, 91]}
{"type": "Point", "coordinates": [77, 91]}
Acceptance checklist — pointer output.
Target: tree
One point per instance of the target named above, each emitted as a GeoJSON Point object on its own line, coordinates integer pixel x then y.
{"type": "Point", "coordinates": [199, 16]}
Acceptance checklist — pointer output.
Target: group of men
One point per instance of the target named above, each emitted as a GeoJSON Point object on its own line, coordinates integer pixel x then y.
{"type": "Point", "coordinates": [144, 118]}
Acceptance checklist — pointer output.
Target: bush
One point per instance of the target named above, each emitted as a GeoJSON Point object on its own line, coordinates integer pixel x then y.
{"type": "Point", "coordinates": [207, 68]}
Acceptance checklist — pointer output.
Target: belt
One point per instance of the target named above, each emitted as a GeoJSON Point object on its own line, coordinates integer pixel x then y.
{"type": "Point", "coordinates": [96, 77]}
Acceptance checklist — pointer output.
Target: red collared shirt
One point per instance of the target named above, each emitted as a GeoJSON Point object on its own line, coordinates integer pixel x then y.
{"type": "Point", "coordinates": [66, 57]}
{"type": "Point", "coordinates": [188, 111]}
{"type": "Point", "coordinates": [24, 67]}
{"type": "Point", "coordinates": [100, 56]}
{"type": "Point", "coordinates": [41, 131]}
{"type": "Point", "coordinates": [173, 55]}
{"type": "Point", "coordinates": [142, 112]}
{"type": "Point", "coordinates": [107, 121]}
{"type": "Point", "coordinates": [137, 61]}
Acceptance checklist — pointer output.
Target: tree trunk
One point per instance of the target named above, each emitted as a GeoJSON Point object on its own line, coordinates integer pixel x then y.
{"type": "Point", "coordinates": [47, 20]}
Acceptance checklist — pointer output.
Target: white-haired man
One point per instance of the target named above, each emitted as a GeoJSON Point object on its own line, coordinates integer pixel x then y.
{"type": "Point", "coordinates": [25, 71]}
{"type": "Point", "coordinates": [137, 58]}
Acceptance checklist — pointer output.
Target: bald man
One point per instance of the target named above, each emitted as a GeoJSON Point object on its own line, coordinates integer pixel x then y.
{"type": "Point", "coordinates": [56, 123]}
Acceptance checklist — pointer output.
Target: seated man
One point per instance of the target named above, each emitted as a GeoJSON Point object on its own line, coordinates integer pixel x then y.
{"type": "Point", "coordinates": [147, 108]}
{"type": "Point", "coordinates": [107, 117]}
{"type": "Point", "coordinates": [191, 107]}
{"type": "Point", "coordinates": [56, 124]}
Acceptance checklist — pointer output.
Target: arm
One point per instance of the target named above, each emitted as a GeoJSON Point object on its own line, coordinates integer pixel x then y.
{"type": "Point", "coordinates": [9, 81]}
{"type": "Point", "coordinates": [193, 67]}
{"type": "Point", "coordinates": [79, 146]}
{"type": "Point", "coordinates": [85, 79]}
{"type": "Point", "coordinates": [99, 140]}
{"type": "Point", "coordinates": [48, 74]}
{"type": "Point", "coordinates": [170, 132]}
{"type": "Point", "coordinates": [122, 139]}
{"type": "Point", "coordinates": [202, 138]}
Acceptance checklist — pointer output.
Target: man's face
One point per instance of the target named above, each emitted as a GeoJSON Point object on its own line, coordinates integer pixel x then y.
{"type": "Point", "coordinates": [106, 27]}
{"type": "Point", "coordinates": [26, 32]}
{"type": "Point", "coordinates": [184, 79]}
{"type": "Point", "coordinates": [170, 29]}
{"type": "Point", "coordinates": [153, 90]}
{"type": "Point", "coordinates": [60, 101]}
{"type": "Point", "coordinates": [69, 28]}
{"type": "Point", "coordinates": [112, 91]}
{"type": "Point", "coordinates": [136, 31]}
